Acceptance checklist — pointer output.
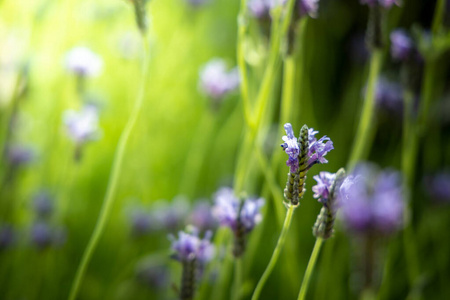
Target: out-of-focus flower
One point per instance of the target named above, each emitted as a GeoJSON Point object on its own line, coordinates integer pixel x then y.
{"type": "Point", "coordinates": [260, 8]}
{"type": "Point", "coordinates": [227, 206]}
{"type": "Point", "coordinates": [438, 186]}
{"type": "Point", "coordinates": [41, 235]}
{"type": "Point", "coordinates": [372, 201]}
{"type": "Point", "coordinates": [291, 147]}
{"type": "Point", "coordinates": [389, 95]}
{"type": "Point", "coordinates": [7, 236]}
{"type": "Point", "coordinates": [153, 276]}
{"type": "Point", "coordinates": [83, 62]}
{"type": "Point", "coordinates": [18, 155]}
{"type": "Point", "coordinates": [216, 81]}
{"type": "Point", "coordinates": [202, 217]}
{"type": "Point", "coordinates": [171, 216]}
{"type": "Point", "coordinates": [322, 189]}
{"type": "Point", "coordinates": [402, 45]}
{"type": "Point", "coordinates": [383, 3]}
{"type": "Point", "coordinates": [189, 247]}
{"type": "Point", "coordinates": [141, 223]}
{"type": "Point", "coordinates": [82, 126]}
{"type": "Point", "coordinates": [308, 7]}
{"type": "Point", "coordinates": [43, 204]}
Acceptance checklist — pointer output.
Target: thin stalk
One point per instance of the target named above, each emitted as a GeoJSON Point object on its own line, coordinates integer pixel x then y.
{"type": "Point", "coordinates": [238, 272]}
{"type": "Point", "coordinates": [438, 16]}
{"type": "Point", "coordinates": [275, 254]}
{"type": "Point", "coordinates": [113, 178]}
{"type": "Point", "coordinates": [363, 139]}
{"type": "Point", "coordinates": [310, 269]}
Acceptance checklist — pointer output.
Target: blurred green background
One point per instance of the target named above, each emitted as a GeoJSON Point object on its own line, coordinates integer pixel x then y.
{"type": "Point", "coordinates": [181, 145]}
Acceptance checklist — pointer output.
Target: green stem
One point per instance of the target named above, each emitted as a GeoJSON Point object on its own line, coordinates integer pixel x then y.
{"type": "Point", "coordinates": [237, 278]}
{"type": "Point", "coordinates": [310, 269]}
{"type": "Point", "coordinates": [275, 254]}
{"type": "Point", "coordinates": [364, 134]}
{"type": "Point", "coordinates": [438, 16]}
{"type": "Point", "coordinates": [113, 179]}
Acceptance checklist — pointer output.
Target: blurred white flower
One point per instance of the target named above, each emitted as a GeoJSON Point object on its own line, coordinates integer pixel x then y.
{"type": "Point", "coordinates": [83, 62]}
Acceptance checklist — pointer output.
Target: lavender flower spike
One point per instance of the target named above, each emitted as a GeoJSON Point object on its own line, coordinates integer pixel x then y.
{"type": "Point", "coordinates": [290, 146]}
{"type": "Point", "coordinates": [323, 187]}
{"type": "Point", "coordinates": [83, 62]}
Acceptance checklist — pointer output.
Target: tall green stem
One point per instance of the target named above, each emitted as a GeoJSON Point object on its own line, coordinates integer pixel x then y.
{"type": "Point", "coordinates": [237, 278]}
{"type": "Point", "coordinates": [310, 269]}
{"type": "Point", "coordinates": [113, 178]}
{"type": "Point", "coordinates": [275, 254]}
{"type": "Point", "coordinates": [364, 134]}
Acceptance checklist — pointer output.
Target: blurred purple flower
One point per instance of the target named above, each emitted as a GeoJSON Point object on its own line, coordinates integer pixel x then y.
{"type": "Point", "coordinates": [402, 45]}
{"type": "Point", "coordinates": [226, 210]}
{"type": "Point", "coordinates": [141, 223]}
{"type": "Point", "coordinates": [43, 204]}
{"type": "Point", "coordinates": [383, 3]}
{"type": "Point", "coordinates": [260, 8]}
{"type": "Point", "coordinates": [18, 155]}
{"type": "Point", "coordinates": [189, 246]}
{"type": "Point", "coordinates": [41, 235]}
{"type": "Point", "coordinates": [323, 187]}
{"type": "Point", "coordinates": [202, 217]}
{"type": "Point", "coordinates": [318, 148]}
{"type": "Point", "coordinates": [308, 7]}
{"type": "Point", "coordinates": [291, 147]}
{"type": "Point", "coordinates": [7, 236]}
{"type": "Point", "coordinates": [372, 201]}
{"type": "Point", "coordinates": [389, 95]}
{"type": "Point", "coordinates": [216, 81]}
{"type": "Point", "coordinates": [438, 186]}
{"type": "Point", "coordinates": [83, 62]}
{"type": "Point", "coordinates": [82, 126]}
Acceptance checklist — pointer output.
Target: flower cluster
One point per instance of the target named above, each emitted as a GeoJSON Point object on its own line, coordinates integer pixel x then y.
{"type": "Point", "coordinates": [189, 247]}
{"type": "Point", "coordinates": [372, 201]}
{"type": "Point", "coordinates": [216, 81]}
{"type": "Point", "coordinates": [83, 62]}
{"type": "Point", "coordinates": [82, 126]}
{"type": "Point", "coordinates": [322, 190]}
{"type": "Point", "coordinates": [43, 235]}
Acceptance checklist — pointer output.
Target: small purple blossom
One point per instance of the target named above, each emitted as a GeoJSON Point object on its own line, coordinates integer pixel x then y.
{"type": "Point", "coordinates": [438, 187]}
{"type": "Point", "coordinates": [318, 148]}
{"type": "Point", "coordinates": [18, 155]}
{"type": "Point", "coordinates": [189, 246]}
{"type": "Point", "coordinates": [389, 95]}
{"type": "Point", "coordinates": [216, 81]}
{"type": "Point", "coordinates": [41, 235]}
{"type": "Point", "coordinates": [260, 8]}
{"type": "Point", "coordinates": [83, 62]}
{"type": "Point", "coordinates": [372, 201]}
{"type": "Point", "coordinates": [383, 3]}
{"type": "Point", "coordinates": [290, 146]}
{"type": "Point", "coordinates": [402, 45]}
{"type": "Point", "coordinates": [308, 7]}
{"type": "Point", "coordinates": [226, 210]}
{"type": "Point", "coordinates": [43, 204]}
{"type": "Point", "coordinates": [323, 187]}
{"type": "Point", "coordinates": [82, 126]}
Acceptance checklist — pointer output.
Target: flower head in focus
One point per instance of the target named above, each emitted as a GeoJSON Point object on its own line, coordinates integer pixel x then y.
{"type": "Point", "coordinates": [216, 80]}
{"type": "Point", "coordinates": [291, 147]}
{"type": "Point", "coordinates": [189, 246]}
{"type": "Point", "coordinates": [372, 201]}
{"type": "Point", "coordinates": [83, 62]}
{"type": "Point", "coordinates": [323, 187]}
{"type": "Point", "coordinates": [318, 148]}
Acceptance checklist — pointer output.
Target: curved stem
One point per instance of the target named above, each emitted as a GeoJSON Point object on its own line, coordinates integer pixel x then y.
{"type": "Point", "coordinates": [237, 278]}
{"type": "Point", "coordinates": [275, 254]}
{"type": "Point", "coordinates": [364, 134]}
{"type": "Point", "coordinates": [310, 269]}
{"type": "Point", "coordinates": [113, 179]}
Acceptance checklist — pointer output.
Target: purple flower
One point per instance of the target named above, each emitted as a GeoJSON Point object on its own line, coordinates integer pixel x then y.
{"type": "Point", "coordinates": [18, 155]}
{"type": "Point", "coordinates": [7, 236]}
{"type": "Point", "coordinates": [216, 81]}
{"type": "Point", "coordinates": [438, 187]}
{"type": "Point", "coordinates": [318, 148]}
{"type": "Point", "coordinates": [202, 217]}
{"type": "Point", "coordinates": [189, 246]}
{"type": "Point", "coordinates": [83, 62]}
{"type": "Point", "coordinates": [43, 204]}
{"type": "Point", "coordinates": [383, 3]}
{"type": "Point", "coordinates": [82, 126]}
{"type": "Point", "coordinates": [141, 223]}
{"type": "Point", "coordinates": [290, 146]}
{"type": "Point", "coordinates": [323, 187]}
{"type": "Point", "coordinates": [260, 8]}
{"type": "Point", "coordinates": [308, 7]}
{"type": "Point", "coordinates": [41, 235]}
{"type": "Point", "coordinates": [372, 201]}
{"type": "Point", "coordinates": [389, 95]}
{"type": "Point", "coordinates": [402, 45]}
{"type": "Point", "coordinates": [226, 210]}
